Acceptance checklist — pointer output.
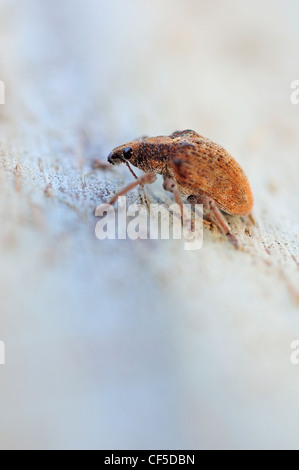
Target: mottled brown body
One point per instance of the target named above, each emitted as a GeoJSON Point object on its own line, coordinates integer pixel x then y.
{"type": "Point", "coordinates": [198, 166]}
{"type": "Point", "coordinates": [193, 167]}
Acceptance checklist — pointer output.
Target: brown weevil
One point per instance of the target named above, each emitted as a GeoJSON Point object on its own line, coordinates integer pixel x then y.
{"type": "Point", "coordinates": [194, 168]}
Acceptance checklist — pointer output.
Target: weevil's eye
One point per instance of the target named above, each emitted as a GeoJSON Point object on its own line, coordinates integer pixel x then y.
{"type": "Point", "coordinates": [128, 153]}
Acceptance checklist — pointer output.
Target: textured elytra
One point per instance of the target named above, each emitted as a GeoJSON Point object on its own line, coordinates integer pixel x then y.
{"type": "Point", "coordinates": [202, 167]}
{"type": "Point", "coordinates": [199, 166]}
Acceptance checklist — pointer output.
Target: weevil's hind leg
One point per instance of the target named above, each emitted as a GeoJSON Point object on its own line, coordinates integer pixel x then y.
{"type": "Point", "coordinates": [148, 178]}
{"type": "Point", "coordinates": [249, 221]}
{"type": "Point", "coordinates": [222, 223]}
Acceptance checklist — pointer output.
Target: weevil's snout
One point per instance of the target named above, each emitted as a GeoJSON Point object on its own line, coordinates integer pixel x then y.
{"type": "Point", "coordinates": [110, 160]}
{"type": "Point", "coordinates": [115, 158]}
{"type": "Point", "coordinates": [120, 155]}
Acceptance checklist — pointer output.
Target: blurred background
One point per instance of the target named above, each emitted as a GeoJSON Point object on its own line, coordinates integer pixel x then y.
{"type": "Point", "coordinates": [142, 345]}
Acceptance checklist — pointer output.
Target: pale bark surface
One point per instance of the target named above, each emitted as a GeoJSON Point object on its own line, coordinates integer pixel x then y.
{"type": "Point", "coordinates": [122, 344]}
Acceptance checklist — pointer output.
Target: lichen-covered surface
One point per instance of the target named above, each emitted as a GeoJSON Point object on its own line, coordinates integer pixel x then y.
{"type": "Point", "coordinates": [140, 344]}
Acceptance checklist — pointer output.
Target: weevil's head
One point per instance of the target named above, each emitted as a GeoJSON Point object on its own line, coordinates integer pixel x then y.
{"type": "Point", "coordinates": [124, 153]}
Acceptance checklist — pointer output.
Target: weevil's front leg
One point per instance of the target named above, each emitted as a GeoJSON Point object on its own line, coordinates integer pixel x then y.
{"type": "Point", "coordinates": [144, 198]}
{"type": "Point", "coordinates": [222, 223]}
{"type": "Point", "coordinates": [148, 178]}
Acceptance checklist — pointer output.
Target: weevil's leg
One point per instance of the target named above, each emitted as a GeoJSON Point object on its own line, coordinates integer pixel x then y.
{"type": "Point", "coordinates": [144, 200]}
{"type": "Point", "coordinates": [249, 220]}
{"type": "Point", "coordinates": [142, 194]}
{"type": "Point", "coordinates": [99, 165]}
{"type": "Point", "coordinates": [199, 200]}
{"type": "Point", "coordinates": [252, 219]}
{"type": "Point", "coordinates": [222, 222]}
{"type": "Point", "coordinates": [148, 178]}
{"type": "Point", "coordinates": [171, 186]}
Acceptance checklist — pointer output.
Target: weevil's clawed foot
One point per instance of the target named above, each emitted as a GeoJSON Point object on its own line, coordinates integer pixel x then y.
{"type": "Point", "coordinates": [252, 220]}
{"type": "Point", "coordinates": [233, 239]}
{"type": "Point", "coordinates": [248, 231]}
{"type": "Point", "coordinates": [249, 222]}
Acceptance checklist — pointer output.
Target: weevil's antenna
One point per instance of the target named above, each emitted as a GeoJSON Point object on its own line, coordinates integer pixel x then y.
{"type": "Point", "coordinates": [144, 199]}
{"type": "Point", "coordinates": [127, 163]}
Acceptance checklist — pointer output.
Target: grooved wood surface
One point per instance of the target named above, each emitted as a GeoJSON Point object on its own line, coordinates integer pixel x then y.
{"type": "Point", "coordinates": [140, 344]}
